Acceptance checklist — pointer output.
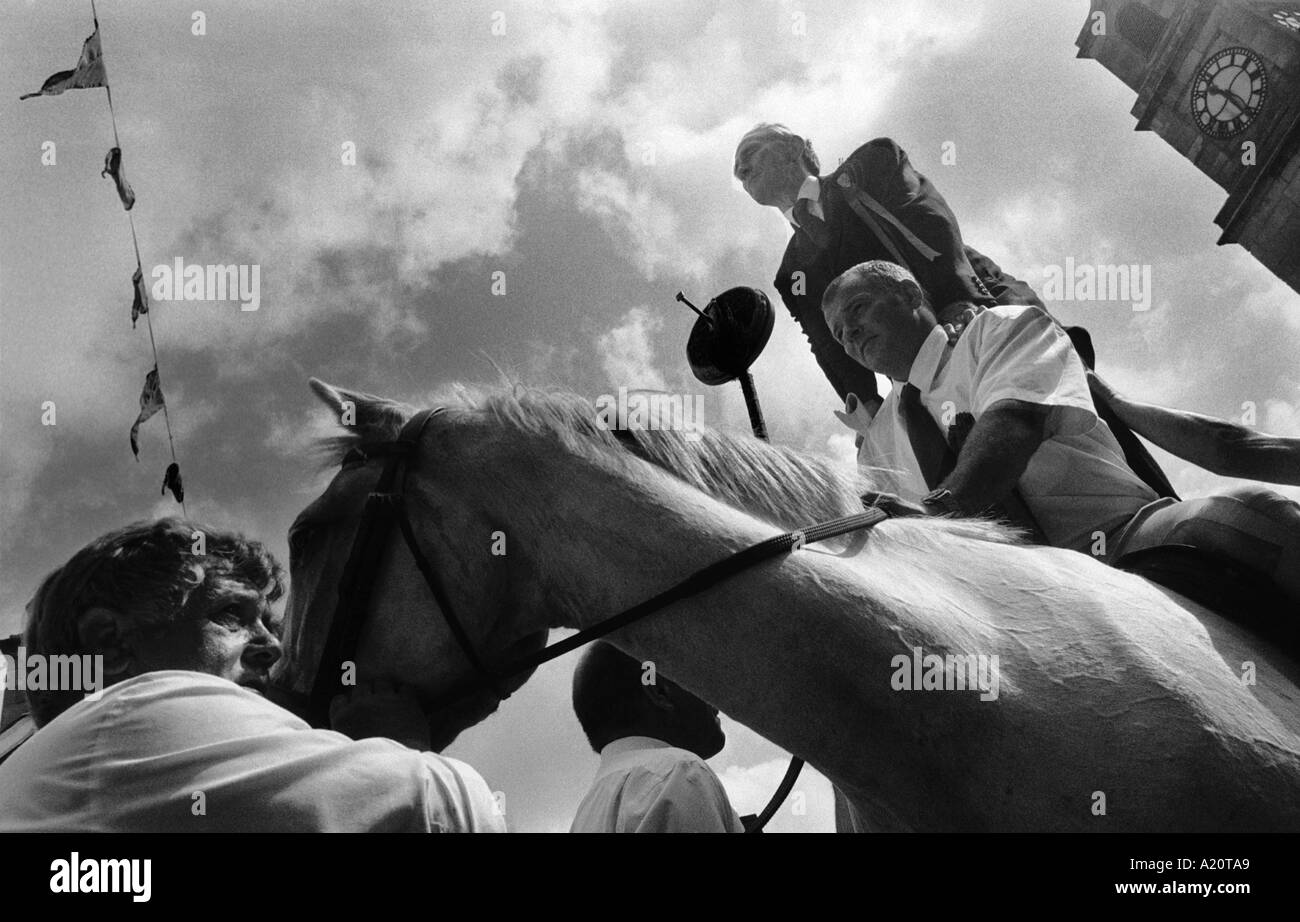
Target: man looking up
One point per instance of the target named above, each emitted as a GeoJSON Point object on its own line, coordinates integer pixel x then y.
{"type": "Point", "coordinates": [653, 737]}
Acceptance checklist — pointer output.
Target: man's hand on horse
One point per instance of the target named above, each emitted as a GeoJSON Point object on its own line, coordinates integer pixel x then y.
{"type": "Point", "coordinates": [894, 504]}
{"type": "Point", "coordinates": [381, 708]}
{"type": "Point", "coordinates": [959, 314]}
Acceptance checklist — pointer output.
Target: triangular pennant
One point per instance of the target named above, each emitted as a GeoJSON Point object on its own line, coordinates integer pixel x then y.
{"type": "Point", "coordinates": [172, 481]}
{"type": "Point", "coordinates": [151, 401]}
{"type": "Point", "coordinates": [113, 168]}
{"type": "Point", "coordinates": [88, 73]}
{"type": "Point", "coordinates": [140, 297]}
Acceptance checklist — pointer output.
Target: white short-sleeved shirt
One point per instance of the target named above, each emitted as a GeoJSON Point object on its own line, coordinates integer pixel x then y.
{"type": "Point", "coordinates": [1076, 483]}
{"type": "Point", "coordinates": [135, 759]}
{"type": "Point", "coordinates": [645, 785]}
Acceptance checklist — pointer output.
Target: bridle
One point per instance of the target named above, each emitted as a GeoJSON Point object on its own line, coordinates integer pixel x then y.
{"type": "Point", "coordinates": [386, 507]}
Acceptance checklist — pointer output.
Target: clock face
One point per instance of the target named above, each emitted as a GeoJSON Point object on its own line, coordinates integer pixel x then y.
{"type": "Point", "coordinates": [1228, 92]}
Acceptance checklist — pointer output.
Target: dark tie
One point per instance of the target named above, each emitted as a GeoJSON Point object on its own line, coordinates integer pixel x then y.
{"type": "Point", "coordinates": [817, 230]}
{"type": "Point", "coordinates": [933, 454]}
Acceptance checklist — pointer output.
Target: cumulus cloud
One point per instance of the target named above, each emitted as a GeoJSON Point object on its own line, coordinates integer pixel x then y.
{"type": "Point", "coordinates": [1272, 302]}
{"type": "Point", "coordinates": [628, 351]}
{"type": "Point", "coordinates": [1282, 417]}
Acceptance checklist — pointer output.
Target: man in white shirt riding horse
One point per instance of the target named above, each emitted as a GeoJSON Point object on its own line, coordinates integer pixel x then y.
{"type": "Point", "coordinates": [1001, 418]}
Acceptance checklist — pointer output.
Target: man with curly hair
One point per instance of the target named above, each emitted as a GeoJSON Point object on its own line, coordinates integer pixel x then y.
{"type": "Point", "coordinates": [180, 739]}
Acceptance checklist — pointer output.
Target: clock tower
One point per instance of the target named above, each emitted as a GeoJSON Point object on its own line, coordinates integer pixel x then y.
{"type": "Point", "coordinates": [1220, 81]}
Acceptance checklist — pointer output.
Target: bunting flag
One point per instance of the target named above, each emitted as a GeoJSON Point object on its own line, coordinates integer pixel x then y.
{"type": "Point", "coordinates": [151, 401]}
{"type": "Point", "coordinates": [92, 72]}
{"type": "Point", "coordinates": [172, 481]}
{"type": "Point", "coordinates": [88, 73]}
{"type": "Point", "coordinates": [113, 168]}
{"type": "Point", "coordinates": [140, 302]}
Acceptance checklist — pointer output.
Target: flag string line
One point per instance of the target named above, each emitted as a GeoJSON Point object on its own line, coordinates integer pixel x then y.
{"type": "Point", "coordinates": [139, 265]}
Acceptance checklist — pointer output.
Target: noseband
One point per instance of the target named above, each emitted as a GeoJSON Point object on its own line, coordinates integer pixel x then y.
{"type": "Point", "coordinates": [386, 507]}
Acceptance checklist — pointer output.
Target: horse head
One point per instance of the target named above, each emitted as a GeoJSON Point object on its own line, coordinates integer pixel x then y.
{"type": "Point", "coordinates": [405, 636]}
{"type": "Point", "coordinates": [495, 479]}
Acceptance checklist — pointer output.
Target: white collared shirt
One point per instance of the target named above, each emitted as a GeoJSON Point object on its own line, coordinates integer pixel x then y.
{"type": "Point", "coordinates": [178, 751]}
{"type": "Point", "coordinates": [1077, 482]}
{"type": "Point", "coordinates": [645, 785]}
{"type": "Point", "coordinates": [812, 190]}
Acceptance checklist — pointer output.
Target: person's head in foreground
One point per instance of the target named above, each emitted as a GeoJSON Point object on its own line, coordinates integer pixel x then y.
{"type": "Point", "coordinates": [159, 595]}
{"type": "Point", "coordinates": [880, 315]}
{"type": "Point", "coordinates": [772, 162]}
{"type": "Point", "coordinates": [616, 696]}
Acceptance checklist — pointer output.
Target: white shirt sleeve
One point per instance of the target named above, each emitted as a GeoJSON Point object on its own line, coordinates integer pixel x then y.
{"type": "Point", "coordinates": [135, 759]}
{"type": "Point", "coordinates": [1026, 356]}
{"type": "Point", "coordinates": [457, 799]}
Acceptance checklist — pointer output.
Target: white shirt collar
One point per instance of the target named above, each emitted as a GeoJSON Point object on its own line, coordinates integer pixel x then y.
{"type": "Point", "coordinates": [627, 744]}
{"type": "Point", "coordinates": [811, 189]}
{"type": "Point", "coordinates": [928, 358]}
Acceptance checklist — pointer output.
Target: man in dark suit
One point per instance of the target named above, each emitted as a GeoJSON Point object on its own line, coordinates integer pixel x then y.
{"type": "Point", "coordinates": [874, 206]}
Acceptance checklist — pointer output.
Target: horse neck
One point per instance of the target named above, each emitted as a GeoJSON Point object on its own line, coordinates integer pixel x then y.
{"type": "Point", "coordinates": [796, 648]}
{"type": "Point", "coordinates": [1100, 674]}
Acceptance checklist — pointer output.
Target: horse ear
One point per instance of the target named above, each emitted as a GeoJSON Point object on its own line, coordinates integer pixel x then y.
{"type": "Point", "coordinates": [351, 408]}
{"type": "Point", "coordinates": [357, 410]}
{"type": "Point", "coordinates": [330, 395]}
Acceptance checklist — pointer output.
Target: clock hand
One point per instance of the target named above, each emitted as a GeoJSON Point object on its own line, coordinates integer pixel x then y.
{"type": "Point", "coordinates": [1230, 96]}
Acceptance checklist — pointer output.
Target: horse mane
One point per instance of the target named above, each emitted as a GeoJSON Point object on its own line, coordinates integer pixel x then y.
{"type": "Point", "coordinates": [785, 487]}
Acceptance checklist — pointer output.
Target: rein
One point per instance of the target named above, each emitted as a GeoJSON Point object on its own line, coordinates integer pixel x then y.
{"type": "Point", "coordinates": [386, 507]}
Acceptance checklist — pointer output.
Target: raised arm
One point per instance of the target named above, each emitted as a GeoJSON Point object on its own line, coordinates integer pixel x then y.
{"type": "Point", "coordinates": [1219, 446]}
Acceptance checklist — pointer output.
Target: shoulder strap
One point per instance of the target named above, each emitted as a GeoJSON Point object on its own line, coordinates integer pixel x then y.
{"type": "Point", "coordinates": [868, 209]}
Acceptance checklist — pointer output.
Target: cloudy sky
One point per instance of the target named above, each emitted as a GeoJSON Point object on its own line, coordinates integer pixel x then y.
{"type": "Point", "coordinates": [586, 154]}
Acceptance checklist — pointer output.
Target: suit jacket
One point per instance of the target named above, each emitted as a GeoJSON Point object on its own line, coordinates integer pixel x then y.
{"type": "Point", "coordinates": [901, 218]}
